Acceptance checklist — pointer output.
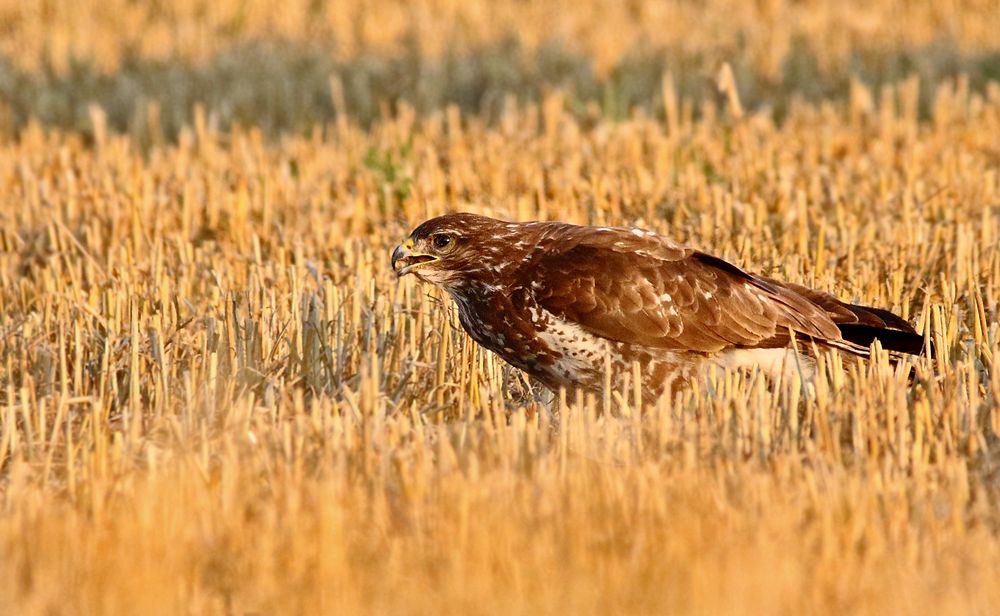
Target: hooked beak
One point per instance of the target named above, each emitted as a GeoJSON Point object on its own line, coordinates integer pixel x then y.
{"type": "Point", "coordinates": [405, 261]}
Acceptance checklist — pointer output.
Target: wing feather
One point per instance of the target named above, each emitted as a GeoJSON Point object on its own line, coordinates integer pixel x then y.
{"type": "Point", "coordinates": [640, 290]}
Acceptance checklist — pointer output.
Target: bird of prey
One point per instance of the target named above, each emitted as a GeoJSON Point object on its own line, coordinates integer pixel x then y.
{"type": "Point", "coordinates": [562, 301]}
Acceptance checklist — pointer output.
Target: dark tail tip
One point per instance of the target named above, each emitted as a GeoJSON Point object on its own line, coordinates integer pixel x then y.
{"type": "Point", "coordinates": [900, 341]}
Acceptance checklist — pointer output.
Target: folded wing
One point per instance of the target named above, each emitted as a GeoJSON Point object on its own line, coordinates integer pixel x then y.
{"type": "Point", "coordinates": [675, 299]}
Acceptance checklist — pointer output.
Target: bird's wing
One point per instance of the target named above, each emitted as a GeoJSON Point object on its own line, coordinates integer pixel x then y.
{"type": "Point", "coordinates": [671, 299]}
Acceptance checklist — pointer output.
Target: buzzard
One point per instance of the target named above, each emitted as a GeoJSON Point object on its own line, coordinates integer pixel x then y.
{"type": "Point", "coordinates": [561, 302]}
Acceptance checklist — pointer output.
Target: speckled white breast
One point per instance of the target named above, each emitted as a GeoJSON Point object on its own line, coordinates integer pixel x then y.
{"type": "Point", "coordinates": [581, 353]}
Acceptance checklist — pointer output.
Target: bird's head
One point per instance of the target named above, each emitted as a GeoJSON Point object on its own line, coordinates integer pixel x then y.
{"type": "Point", "coordinates": [452, 249]}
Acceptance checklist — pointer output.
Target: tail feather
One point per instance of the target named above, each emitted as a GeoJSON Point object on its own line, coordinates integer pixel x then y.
{"type": "Point", "coordinates": [892, 331]}
{"type": "Point", "coordinates": [860, 326]}
{"type": "Point", "coordinates": [896, 340]}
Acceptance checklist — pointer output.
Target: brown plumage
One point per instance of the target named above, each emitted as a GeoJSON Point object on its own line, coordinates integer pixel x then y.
{"type": "Point", "coordinates": [558, 300]}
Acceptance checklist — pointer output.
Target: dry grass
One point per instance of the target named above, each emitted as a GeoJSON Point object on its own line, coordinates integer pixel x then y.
{"type": "Point", "coordinates": [287, 66]}
{"type": "Point", "coordinates": [216, 397]}
{"type": "Point", "coordinates": [108, 32]}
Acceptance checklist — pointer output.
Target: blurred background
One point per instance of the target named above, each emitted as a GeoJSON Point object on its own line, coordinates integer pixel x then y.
{"type": "Point", "coordinates": [285, 66]}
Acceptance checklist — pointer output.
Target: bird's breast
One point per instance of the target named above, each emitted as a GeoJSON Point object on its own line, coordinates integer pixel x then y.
{"type": "Point", "coordinates": [578, 355]}
{"type": "Point", "coordinates": [558, 352]}
{"type": "Point", "coordinates": [554, 351]}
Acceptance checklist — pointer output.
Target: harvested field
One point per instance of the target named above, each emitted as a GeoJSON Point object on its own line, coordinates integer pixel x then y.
{"type": "Point", "coordinates": [216, 397]}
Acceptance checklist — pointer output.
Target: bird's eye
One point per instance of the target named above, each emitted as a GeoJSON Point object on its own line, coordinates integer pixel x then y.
{"type": "Point", "coordinates": [441, 241]}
